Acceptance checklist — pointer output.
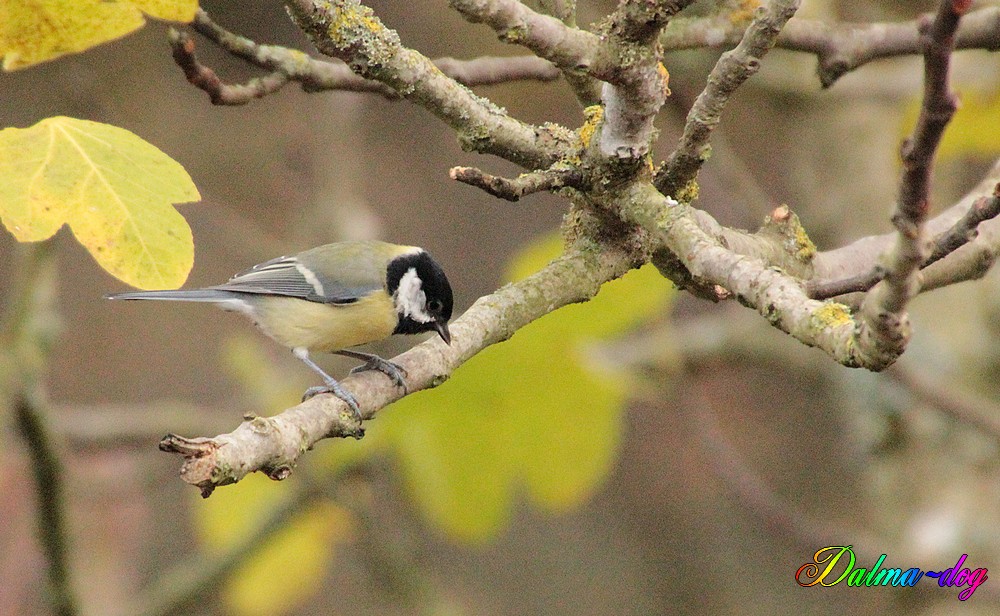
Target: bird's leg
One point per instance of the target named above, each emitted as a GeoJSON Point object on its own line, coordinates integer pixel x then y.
{"type": "Point", "coordinates": [374, 362]}
{"type": "Point", "coordinates": [331, 386]}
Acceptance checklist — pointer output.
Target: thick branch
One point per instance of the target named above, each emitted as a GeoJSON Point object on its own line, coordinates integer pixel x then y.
{"type": "Point", "coordinates": [274, 444]}
{"type": "Point", "coordinates": [884, 328]}
{"type": "Point", "coordinates": [729, 73]}
{"type": "Point", "coordinates": [347, 30]}
{"type": "Point", "coordinates": [778, 297]}
{"type": "Point", "coordinates": [840, 48]}
{"type": "Point", "coordinates": [635, 88]}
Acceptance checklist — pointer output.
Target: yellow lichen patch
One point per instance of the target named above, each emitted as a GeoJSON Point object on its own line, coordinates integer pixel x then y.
{"type": "Point", "coordinates": [592, 117]}
{"type": "Point", "coordinates": [806, 250]}
{"type": "Point", "coordinates": [665, 75]}
{"type": "Point", "coordinates": [832, 314]}
{"type": "Point", "coordinates": [688, 193]}
{"type": "Point", "coordinates": [349, 19]}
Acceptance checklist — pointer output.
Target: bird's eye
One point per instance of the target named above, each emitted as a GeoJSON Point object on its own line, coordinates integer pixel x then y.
{"type": "Point", "coordinates": [434, 305]}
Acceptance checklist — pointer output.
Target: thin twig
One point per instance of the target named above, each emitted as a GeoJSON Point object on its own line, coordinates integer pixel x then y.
{"type": "Point", "coordinates": [965, 407]}
{"type": "Point", "coordinates": [523, 185]}
{"type": "Point", "coordinates": [729, 73]}
{"type": "Point", "coordinates": [960, 234]}
{"type": "Point", "coordinates": [884, 328]}
{"type": "Point", "coordinates": [842, 47]}
{"type": "Point", "coordinates": [319, 75]}
{"type": "Point", "coordinates": [966, 229]}
{"type": "Point", "coordinates": [206, 79]}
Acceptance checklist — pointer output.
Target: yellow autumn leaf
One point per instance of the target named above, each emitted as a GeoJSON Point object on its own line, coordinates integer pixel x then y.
{"type": "Point", "coordinates": [533, 415]}
{"type": "Point", "coordinates": [114, 190]}
{"type": "Point", "coordinates": [286, 568]}
{"type": "Point", "coordinates": [34, 31]}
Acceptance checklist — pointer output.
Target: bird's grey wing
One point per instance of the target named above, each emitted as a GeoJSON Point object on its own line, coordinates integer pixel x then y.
{"type": "Point", "coordinates": [287, 276]}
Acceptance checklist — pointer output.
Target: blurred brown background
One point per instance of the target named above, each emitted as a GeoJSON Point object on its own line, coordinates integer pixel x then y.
{"type": "Point", "coordinates": [746, 455]}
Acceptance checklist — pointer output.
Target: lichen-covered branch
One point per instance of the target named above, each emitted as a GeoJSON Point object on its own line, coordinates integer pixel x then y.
{"type": "Point", "coordinates": [729, 73]}
{"type": "Point", "coordinates": [635, 81]}
{"type": "Point", "coordinates": [884, 329]}
{"type": "Point", "coordinates": [348, 30]}
{"type": "Point", "coordinates": [839, 48]}
{"type": "Point", "coordinates": [273, 444]}
{"type": "Point", "coordinates": [778, 297]}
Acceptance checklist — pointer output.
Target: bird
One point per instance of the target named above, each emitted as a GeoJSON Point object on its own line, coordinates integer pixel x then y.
{"type": "Point", "coordinates": [332, 298]}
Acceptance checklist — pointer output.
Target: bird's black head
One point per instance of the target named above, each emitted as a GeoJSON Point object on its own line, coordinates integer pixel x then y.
{"type": "Point", "coordinates": [421, 293]}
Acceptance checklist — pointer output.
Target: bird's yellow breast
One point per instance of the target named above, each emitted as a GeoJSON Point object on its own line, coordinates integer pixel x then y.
{"type": "Point", "coordinates": [326, 327]}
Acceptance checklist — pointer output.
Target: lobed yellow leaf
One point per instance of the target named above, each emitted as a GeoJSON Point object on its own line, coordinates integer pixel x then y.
{"type": "Point", "coordinates": [34, 31]}
{"type": "Point", "coordinates": [114, 190]}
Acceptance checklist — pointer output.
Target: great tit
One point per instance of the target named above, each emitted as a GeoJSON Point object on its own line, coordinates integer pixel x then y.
{"type": "Point", "coordinates": [333, 297]}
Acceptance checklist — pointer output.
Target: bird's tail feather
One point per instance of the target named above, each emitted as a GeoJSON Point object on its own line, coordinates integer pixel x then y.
{"type": "Point", "coordinates": [193, 295]}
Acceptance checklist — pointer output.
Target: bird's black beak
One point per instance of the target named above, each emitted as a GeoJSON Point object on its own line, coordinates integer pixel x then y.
{"type": "Point", "coordinates": [442, 330]}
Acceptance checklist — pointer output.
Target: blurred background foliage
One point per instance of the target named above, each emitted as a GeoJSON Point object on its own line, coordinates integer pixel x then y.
{"type": "Point", "coordinates": [639, 454]}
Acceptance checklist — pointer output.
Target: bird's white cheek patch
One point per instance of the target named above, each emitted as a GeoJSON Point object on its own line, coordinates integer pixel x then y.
{"type": "Point", "coordinates": [410, 297]}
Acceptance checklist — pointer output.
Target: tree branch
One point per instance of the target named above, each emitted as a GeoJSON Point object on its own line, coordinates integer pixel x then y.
{"type": "Point", "coordinates": [569, 48]}
{"type": "Point", "coordinates": [635, 81]}
{"type": "Point", "coordinates": [884, 328]}
{"type": "Point", "coordinates": [966, 263]}
{"type": "Point", "coordinates": [525, 184]}
{"type": "Point", "coordinates": [273, 444]}
{"type": "Point", "coordinates": [206, 79]}
{"type": "Point", "coordinates": [965, 230]}
{"type": "Point", "coordinates": [840, 48]}
{"type": "Point", "coordinates": [176, 590]}
{"type": "Point", "coordinates": [47, 471]}
{"type": "Point", "coordinates": [318, 75]}
{"type": "Point", "coordinates": [28, 332]}
{"type": "Point", "coordinates": [729, 73]}
{"type": "Point", "coordinates": [347, 30]}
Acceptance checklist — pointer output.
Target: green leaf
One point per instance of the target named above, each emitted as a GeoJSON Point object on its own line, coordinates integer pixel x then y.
{"type": "Point", "coordinates": [33, 31]}
{"type": "Point", "coordinates": [533, 414]}
{"type": "Point", "coordinates": [113, 189]}
{"type": "Point", "coordinates": [287, 568]}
